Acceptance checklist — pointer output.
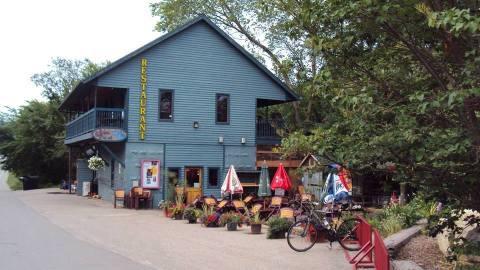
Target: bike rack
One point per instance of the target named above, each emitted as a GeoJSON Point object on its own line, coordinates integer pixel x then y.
{"type": "Point", "coordinates": [372, 254]}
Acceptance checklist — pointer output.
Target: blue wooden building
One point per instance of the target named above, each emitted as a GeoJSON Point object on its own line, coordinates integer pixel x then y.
{"type": "Point", "coordinates": [188, 99]}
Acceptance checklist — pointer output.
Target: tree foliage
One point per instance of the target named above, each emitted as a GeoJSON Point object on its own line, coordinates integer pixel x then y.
{"type": "Point", "coordinates": [383, 82]}
{"type": "Point", "coordinates": [32, 136]}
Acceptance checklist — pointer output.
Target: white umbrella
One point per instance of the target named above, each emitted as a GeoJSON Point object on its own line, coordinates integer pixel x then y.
{"type": "Point", "coordinates": [231, 184]}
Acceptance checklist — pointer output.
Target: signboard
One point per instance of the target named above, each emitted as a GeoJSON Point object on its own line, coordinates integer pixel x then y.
{"type": "Point", "coordinates": [143, 99]}
{"type": "Point", "coordinates": [110, 135]}
{"type": "Point", "coordinates": [150, 174]}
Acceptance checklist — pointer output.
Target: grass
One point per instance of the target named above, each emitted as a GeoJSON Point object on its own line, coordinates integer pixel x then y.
{"type": "Point", "coordinates": [13, 182]}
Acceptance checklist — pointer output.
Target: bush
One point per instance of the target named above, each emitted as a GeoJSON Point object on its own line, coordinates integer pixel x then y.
{"type": "Point", "coordinates": [394, 217]}
{"type": "Point", "coordinates": [277, 227]}
{"type": "Point", "coordinates": [13, 182]}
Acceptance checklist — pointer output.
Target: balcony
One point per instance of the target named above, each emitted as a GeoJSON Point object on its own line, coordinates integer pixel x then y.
{"type": "Point", "coordinates": [83, 126]}
{"type": "Point", "coordinates": [268, 131]}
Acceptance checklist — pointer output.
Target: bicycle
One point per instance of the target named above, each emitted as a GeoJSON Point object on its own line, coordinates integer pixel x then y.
{"type": "Point", "coordinates": [303, 234]}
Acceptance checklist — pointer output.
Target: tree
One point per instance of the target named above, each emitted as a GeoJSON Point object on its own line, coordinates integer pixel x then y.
{"type": "Point", "coordinates": [385, 84]}
{"type": "Point", "coordinates": [63, 76]}
{"type": "Point", "coordinates": [32, 136]}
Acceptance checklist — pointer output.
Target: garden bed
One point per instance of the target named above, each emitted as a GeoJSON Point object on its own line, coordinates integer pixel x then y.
{"type": "Point", "coordinates": [424, 251]}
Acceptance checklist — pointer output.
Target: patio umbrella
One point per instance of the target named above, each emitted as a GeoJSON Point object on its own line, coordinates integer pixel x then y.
{"type": "Point", "coordinates": [231, 184]}
{"type": "Point", "coordinates": [264, 182]}
{"type": "Point", "coordinates": [281, 179]}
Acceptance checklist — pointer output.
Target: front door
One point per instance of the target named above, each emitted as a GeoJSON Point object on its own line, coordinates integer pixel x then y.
{"type": "Point", "coordinates": [193, 183]}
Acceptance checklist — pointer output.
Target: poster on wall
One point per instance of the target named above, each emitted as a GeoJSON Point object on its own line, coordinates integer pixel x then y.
{"type": "Point", "coordinates": [150, 174]}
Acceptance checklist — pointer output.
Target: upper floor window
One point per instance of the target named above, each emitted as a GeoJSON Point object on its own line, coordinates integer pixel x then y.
{"type": "Point", "coordinates": [222, 110]}
{"type": "Point", "coordinates": [166, 105]}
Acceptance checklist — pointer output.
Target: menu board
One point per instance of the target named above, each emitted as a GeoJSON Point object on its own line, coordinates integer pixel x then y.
{"type": "Point", "coordinates": [150, 174]}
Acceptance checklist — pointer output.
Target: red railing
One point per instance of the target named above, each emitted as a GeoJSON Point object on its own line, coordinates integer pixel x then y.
{"type": "Point", "coordinates": [372, 254]}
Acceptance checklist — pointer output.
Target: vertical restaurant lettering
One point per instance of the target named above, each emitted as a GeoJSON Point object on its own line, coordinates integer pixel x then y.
{"type": "Point", "coordinates": [143, 99]}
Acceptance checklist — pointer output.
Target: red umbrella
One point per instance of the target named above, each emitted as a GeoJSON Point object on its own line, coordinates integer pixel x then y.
{"type": "Point", "coordinates": [281, 179]}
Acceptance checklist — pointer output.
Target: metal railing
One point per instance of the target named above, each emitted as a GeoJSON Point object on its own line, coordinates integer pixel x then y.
{"type": "Point", "coordinates": [96, 118]}
{"type": "Point", "coordinates": [269, 128]}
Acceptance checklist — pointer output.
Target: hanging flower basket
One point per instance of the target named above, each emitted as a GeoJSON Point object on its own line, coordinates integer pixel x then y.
{"type": "Point", "coordinates": [95, 163]}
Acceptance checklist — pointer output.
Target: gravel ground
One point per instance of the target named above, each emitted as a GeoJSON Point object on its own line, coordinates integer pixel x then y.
{"type": "Point", "coordinates": [424, 251]}
{"type": "Point", "coordinates": [146, 237]}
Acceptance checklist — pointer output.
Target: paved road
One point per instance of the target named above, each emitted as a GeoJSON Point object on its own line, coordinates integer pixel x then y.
{"type": "Point", "coordinates": [29, 241]}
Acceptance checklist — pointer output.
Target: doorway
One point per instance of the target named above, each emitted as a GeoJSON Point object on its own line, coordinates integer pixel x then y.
{"type": "Point", "coordinates": [193, 183]}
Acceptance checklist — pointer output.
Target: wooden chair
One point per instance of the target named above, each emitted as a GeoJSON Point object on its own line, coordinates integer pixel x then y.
{"type": "Point", "coordinates": [248, 199]}
{"type": "Point", "coordinates": [307, 197]}
{"type": "Point", "coordinates": [146, 199]}
{"type": "Point", "coordinates": [118, 195]}
{"type": "Point", "coordinates": [274, 206]}
{"type": "Point", "coordinates": [288, 213]}
{"type": "Point", "coordinates": [301, 190]}
{"type": "Point", "coordinates": [210, 202]}
{"type": "Point", "coordinates": [222, 205]}
{"type": "Point", "coordinates": [239, 206]}
{"type": "Point", "coordinates": [135, 195]}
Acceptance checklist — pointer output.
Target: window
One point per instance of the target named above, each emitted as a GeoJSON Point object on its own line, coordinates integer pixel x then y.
{"type": "Point", "coordinates": [213, 177]}
{"type": "Point", "coordinates": [166, 105]}
{"type": "Point", "coordinates": [173, 180]}
{"type": "Point", "coordinates": [222, 108]}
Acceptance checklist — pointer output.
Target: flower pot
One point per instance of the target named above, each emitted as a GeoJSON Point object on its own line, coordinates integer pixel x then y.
{"type": "Point", "coordinates": [178, 216]}
{"type": "Point", "coordinates": [277, 235]}
{"type": "Point", "coordinates": [192, 220]}
{"type": "Point", "coordinates": [167, 213]}
{"type": "Point", "coordinates": [231, 226]}
{"type": "Point", "coordinates": [256, 228]}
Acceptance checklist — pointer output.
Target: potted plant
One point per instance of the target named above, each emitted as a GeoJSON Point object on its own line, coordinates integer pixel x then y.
{"type": "Point", "coordinates": [167, 207]}
{"type": "Point", "coordinates": [95, 163]}
{"type": "Point", "coordinates": [209, 218]}
{"type": "Point", "coordinates": [177, 211]}
{"type": "Point", "coordinates": [256, 223]}
{"type": "Point", "coordinates": [278, 227]}
{"type": "Point", "coordinates": [232, 220]}
{"type": "Point", "coordinates": [192, 214]}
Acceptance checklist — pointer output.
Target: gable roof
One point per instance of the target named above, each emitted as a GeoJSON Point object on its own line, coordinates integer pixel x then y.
{"type": "Point", "coordinates": [202, 18]}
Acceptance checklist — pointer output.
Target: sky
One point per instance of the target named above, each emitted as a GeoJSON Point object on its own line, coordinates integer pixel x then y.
{"type": "Point", "coordinates": [33, 32]}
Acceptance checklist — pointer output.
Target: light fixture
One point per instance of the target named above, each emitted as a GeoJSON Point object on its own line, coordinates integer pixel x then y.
{"type": "Point", "coordinates": [195, 124]}
{"type": "Point", "coordinates": [243, 140]}
{"type": "Point", "coordinates": [220, 139]}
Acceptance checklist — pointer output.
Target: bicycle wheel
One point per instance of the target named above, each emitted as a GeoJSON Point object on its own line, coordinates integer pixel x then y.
{"type": "Point", "coordinates": [302, 235]}
{"type": "Point", "coordinates": [347, 234]}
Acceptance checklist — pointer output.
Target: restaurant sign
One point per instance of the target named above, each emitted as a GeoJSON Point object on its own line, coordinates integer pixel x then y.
{"type": "Point", "coordinates": [150, 174]}
{"type": "Point", "coordinates": [143, 99]}
{"type": "Point", "coordinates": [110, 135]}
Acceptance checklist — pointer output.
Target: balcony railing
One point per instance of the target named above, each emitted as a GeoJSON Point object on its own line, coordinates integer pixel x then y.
{"type": "Point", "coordinates": [96, 118]}
{"type": "Point", "coordinates": [267, 128]}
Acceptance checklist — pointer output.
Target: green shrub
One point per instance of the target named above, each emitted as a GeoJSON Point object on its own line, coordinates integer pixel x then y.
{"type": "Point", "coordinates": [13, 182]}
{"type": "Point", "coordinates": [277, 227]}
{"type": "Point", "coordinates": [394, 217]}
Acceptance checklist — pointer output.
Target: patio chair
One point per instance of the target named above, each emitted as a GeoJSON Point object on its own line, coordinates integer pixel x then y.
{"type": "Point", "coordinates": [146, 199]}
{"type": "Point", "coordinates": [222, 205]}
{"type": "Point", "coordinates": [307, 197]}
{"type": "Point", "coordinates": [288, 213]}
{"type": "Point", "coordinates": [301, 190]}
{"type": "Point", "coordinates": [248, 199]}
{"type": "Point", "coordinates": [210, 202]}
{"type": "Point", "coordinates": [118, 195]}
{"type": "Point", "coordinates": [274, 206]}
{"type": "Point", "coordinates": [239, 206]}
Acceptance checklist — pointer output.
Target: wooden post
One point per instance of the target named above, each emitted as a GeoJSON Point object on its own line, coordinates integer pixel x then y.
{"type": "Point", "coordinates": [69, 170]}
{"type": "Point", "coordinates": [402, 193]}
